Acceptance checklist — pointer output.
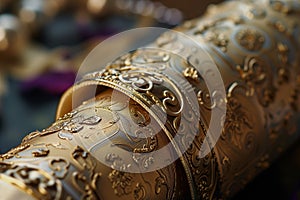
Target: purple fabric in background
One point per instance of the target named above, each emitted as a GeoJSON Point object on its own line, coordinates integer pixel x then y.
{"type": "Point", "coordinates": [53, 82]}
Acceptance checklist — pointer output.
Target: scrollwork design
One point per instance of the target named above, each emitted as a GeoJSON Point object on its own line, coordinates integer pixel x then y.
{"type": "Point", "coordinates": [40, 183]}
{"type": "Point", "coordinates": [139, 192]}
{"type": "Point", "coordinates": [236, 123]}
{"type": "Point", "coordinates": [257, 74]}
{"type": "Point", "coordinates": [83, 159]}
{"type": "Point", "coordinates": [146, 56]}
{"type": "Point", "coordinates": [141, 81]}
{"type": "Point", "coordinates": [88, 187]}
{"type": "Point", "coordinates": [210, 101]}
{"type": "Point", "coordinates": [116, 162]}
{"type": "Point", "coordinates": [170, 101]}
{"type": "Point", "coordinates": [59, 167]}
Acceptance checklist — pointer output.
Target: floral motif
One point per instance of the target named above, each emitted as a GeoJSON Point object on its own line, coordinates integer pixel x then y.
{"type": "Point", "coordinates": [250, 39]}
{"type": "Point", "coordinates": [121, 182]}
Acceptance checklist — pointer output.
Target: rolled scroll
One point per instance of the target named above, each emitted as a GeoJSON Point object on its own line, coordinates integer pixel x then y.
{"type": "Point", "coordinates": [148, 130]}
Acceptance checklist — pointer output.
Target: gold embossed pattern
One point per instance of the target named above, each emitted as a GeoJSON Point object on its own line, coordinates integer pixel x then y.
{"type": "Point", "coordinates": [88, 152]}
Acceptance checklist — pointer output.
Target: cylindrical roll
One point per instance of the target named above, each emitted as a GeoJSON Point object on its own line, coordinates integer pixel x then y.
{"type": "Point", "coordinates": [145, 127]}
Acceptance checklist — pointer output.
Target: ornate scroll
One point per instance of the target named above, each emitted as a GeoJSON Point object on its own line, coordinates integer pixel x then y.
{"type": "Point", "coordinates": [144, 105]}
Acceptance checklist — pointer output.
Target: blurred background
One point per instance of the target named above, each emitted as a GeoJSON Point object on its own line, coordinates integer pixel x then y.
{"type": "Point", "coordinates": [43, 42]}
